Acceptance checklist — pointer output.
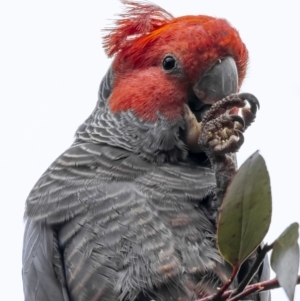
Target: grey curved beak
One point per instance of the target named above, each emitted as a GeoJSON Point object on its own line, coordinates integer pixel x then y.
{"type": "Point", "coordinates": [217, 82]}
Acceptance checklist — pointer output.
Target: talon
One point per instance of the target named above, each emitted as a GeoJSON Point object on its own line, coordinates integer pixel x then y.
{"type": "Point", "coordinates": [253, 101]}
{"type": "Point", "coordinates": [238, 118]}
{"type": "Point", "coordinates": [241, 136]}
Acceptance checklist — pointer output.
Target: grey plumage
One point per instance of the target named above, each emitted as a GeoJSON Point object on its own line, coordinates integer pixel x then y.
{"type": "Point", "coordinates": [103, 223]}
{"type": "Point", "coordinates": [129, 211]}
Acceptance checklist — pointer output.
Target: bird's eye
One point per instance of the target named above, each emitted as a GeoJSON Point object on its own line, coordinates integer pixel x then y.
{"type": "Point", "coordinates": [169, 63]}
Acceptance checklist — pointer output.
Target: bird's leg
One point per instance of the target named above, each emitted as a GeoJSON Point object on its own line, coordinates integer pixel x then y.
{"type": "Point", "coordinates": [221, 135]}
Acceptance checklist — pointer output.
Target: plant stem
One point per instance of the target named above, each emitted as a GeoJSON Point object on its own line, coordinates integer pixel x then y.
{"type": "Point", "coordinates": [219, 294]}
{"type": "Point", "coordinates": [257, 287]}
{"type": "Point", "coordinates": [256, 264]}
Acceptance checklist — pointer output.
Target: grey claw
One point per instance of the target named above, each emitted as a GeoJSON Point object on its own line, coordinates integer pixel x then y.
{"type": "Point", "coordinates": [253, 101]}
{"type": "Point", "coordinates": [238, 118]}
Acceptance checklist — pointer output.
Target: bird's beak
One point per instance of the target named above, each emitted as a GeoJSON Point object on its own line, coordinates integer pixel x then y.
{"type": "Point", "coordinates": [216, 83]}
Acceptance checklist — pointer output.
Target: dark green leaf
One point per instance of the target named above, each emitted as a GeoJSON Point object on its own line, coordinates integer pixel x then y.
{"type": "Point", "coordinates": [245, 213]}
{"type": "Point", "coordinates": [285, 259]}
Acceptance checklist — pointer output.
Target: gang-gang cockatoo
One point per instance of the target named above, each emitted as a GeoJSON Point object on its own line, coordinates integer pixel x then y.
{"type": "Point", "coordinates": [129, 211]}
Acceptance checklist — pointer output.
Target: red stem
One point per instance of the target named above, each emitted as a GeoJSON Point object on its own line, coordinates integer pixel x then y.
{"type": "Point", "coordinates": [222, 290]}
{"type": "Point", "coordinates": [257, 287]}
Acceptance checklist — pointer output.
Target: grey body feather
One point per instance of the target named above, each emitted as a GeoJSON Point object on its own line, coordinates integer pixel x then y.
{"type": "Point", "coordinates": [110, 221]}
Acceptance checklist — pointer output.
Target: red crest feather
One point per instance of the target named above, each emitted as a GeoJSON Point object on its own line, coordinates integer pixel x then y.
{"type": "Point", "coordinates": [139, 18]}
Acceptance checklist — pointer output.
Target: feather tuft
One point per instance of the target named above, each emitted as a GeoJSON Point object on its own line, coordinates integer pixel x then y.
{"type": "Point", "coordinates": [139, 18]}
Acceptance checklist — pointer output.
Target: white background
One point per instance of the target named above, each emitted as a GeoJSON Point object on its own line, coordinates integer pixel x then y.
{"type": "Point", "coordinates": [51, 64]}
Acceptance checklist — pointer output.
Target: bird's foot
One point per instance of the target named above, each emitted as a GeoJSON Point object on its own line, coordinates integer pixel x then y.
{"type": "Point", "coordinates": [219, 134]}
{"type": "Point", "coordinates": [222, 132]}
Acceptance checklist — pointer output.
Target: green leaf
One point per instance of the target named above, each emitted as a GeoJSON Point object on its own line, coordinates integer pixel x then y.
{"type": "Point", "coordinates": [285, 259]}
{"type": "Point", "coordinates": [245, 213]}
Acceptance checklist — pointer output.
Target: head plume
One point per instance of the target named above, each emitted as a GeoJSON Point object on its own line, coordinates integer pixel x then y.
{"type": "Point", "coordinates": [139, 18]}
{"type": "Point", "coordinates": [146, 30]}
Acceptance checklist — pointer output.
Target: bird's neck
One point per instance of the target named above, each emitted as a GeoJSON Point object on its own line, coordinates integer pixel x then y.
{"type": "Point", "coordinates": [157, 141]}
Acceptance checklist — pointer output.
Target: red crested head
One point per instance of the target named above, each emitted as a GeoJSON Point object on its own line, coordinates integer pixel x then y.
{"type": "Point", "coordinates": [159, 58]}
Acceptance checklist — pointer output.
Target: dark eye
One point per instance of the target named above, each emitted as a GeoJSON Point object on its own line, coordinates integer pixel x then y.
{"type": "Point", "coordinates": [169, 63]}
